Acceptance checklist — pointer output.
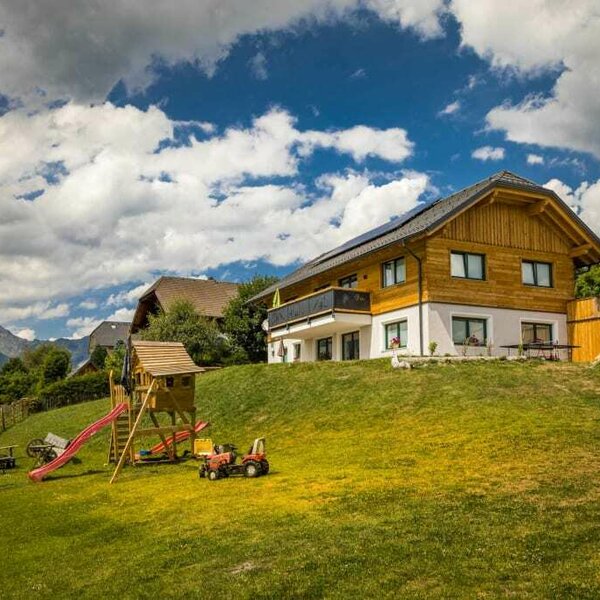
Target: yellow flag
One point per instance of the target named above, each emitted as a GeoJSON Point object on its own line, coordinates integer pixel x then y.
{"type": "Point", "coordinates": [276, 298]}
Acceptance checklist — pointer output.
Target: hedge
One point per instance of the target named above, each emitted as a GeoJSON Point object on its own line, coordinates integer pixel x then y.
{"type": "Point", "coordinates": [74, 390]}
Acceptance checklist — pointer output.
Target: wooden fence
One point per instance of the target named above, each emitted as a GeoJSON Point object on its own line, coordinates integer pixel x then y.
{"type": "Point", "coordinates": [583, 322]}
{"type": "Point", "coordinates": [11, 414]}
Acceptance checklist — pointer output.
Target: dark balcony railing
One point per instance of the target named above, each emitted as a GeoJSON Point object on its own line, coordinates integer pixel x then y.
{"type": "Point", "coordinates": [328, 300]}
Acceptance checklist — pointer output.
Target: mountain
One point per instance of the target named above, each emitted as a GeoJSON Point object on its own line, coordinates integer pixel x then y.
{"type": "Point", "coordinates": [12, 345]}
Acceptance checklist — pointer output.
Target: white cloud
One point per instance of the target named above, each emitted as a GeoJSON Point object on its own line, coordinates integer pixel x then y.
{"type": "Point", "coordinates": [488, 153]}
{"type": "Point", "coordinates": [128, 297]}
{"type": "Point", "coordinates": [118, 40]}
{"type": "Point", "coordinates": [534, 37]}
{"type": "Point", "coordinates": [118, 210]}
{"type": "Point", "coordinates": [88, 305]}
{"type": "Point", "coordinates": [450, 109]}
{"type": "Point", "coordinates": [122, 314]}
{"type": "Point", "coordinates": [82, 326]}
{"type": "Point", "coordinates": [584, 200]}
{"type": "Point", "coordinates": [258, 65]}
{"type": "Point", "coordinates": [26, 333]}
{"type": "Point", "coordinates": [535, 159]}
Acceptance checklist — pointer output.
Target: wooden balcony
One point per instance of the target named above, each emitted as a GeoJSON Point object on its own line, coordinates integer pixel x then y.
{"type": "Point", "coordinates": [325, 302]}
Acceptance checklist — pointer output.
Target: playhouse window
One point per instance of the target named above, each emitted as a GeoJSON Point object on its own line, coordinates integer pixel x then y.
{"type": "Point", "coordinates": [169, 381]}
{"type": "Point", "coordinates": [138, 378]}
{"type": "Point", "coordinates": [185, 381]}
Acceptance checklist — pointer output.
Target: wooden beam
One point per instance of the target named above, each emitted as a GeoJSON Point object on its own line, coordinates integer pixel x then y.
{"type": "Point", "coordinates": [163, 439]}
{"type": "Point", "coordinates": [489, 200]}
{"type": "Point", "coordinates": [579, 250]}
{"type": "Point", "coordinates": [132, 433]}
{"type": "Point", "coordinates": [538, 208]}
{"type": "Point", "coordinates": [160, 431]}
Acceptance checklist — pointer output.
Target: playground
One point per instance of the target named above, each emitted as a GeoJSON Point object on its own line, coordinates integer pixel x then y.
{"type": "Point", "coordinates": [458, 480]}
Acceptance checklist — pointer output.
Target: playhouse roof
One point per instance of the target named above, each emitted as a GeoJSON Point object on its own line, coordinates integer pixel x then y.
{"type": "Point", "coordinates": [165, 358]}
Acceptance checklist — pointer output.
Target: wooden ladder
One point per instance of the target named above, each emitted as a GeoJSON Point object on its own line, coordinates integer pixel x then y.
{"type": "Point", "coordinates": [119, 437]}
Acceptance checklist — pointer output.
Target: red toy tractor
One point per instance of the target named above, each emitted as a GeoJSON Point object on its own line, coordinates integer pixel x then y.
{"type": "Point", "coordinates": [223, 462]}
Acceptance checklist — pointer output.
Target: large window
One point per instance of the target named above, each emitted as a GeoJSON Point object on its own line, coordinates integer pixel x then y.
{"type": "Point", "coordinates": [349, 282]}
{"type": "Point", "coordinates": [393, 272]}
{"type": "Point", "coordinates": [540, 333]}
{"type": "Point", "coordinates": [297, 351]}
{"type": "Point", "coordinates": [351, 346]}
{"type": "Point", "coordinates": [537, 273]}
{"type": "Point", "coordinates": [396, 331]}
{"type": "Point", "coordinates": [467, 266]}
{"type": "Point", "coordinates": [469, 331]}
{"type": "Point", "coordinates": [324, 349]}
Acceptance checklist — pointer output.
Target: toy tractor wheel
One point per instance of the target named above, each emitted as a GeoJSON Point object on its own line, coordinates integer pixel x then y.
{"type": "Point", "coordinates": [202, 472]}
{"type": "Point", "coordinates": [213, 475]}
{"type": "Point", "coordinates": [31, 445]}
{"type": "Point", "coordinates": [264, 466]}
{"type": "Point", "coordinates": [252, 469]}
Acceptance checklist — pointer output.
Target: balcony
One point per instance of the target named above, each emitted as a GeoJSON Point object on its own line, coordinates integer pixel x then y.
{"type": "Point", "coordinates": [342, 306]}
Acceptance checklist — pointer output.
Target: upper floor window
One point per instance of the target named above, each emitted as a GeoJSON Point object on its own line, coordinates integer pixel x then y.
{"type": "Point", "coordinates": [349, 282]}
{"type": "Point", "coordinates": [537, 273]}
{"type": "Point", "coordinates": [393, 272]}
{"type": "Point", "coordinates": [467, 266]}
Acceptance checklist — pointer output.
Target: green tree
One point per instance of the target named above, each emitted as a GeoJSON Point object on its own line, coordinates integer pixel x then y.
{"type": "Point", "coordinates": [34, 358]}
{"type": "Point", "coordinates": [243, 321]}
{"type": "Point", "coordinates": [114, 361]}
{"type": "Point", "coordinates": [98, 357]}
{"type": "Point", "coordinates": [201, 337]}
{"type": "Point", "coordinates": [57, 364]}
{"type": "Point", "coordinates": [13, 365]}
{"type": "Point", "coordinates": [587, 283]}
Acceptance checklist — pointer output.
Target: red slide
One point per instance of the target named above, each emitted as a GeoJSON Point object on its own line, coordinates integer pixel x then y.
{"type": "Point", "coordinates": [38, 474]}
{"type": "Point", "coordinates": [180, 436]}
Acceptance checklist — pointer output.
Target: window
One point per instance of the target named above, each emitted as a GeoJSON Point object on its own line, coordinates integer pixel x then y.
{"type": "Point", "coordinates": [532, 333]}
{"type": "Point", "coordinates": [393, 272]}
{"type": "Point", "coordinates": [396, 331]}
{"type": "Point", "coordinates": [169, 381]}
{"type": "Point", "coordinates": [138, 378]}
{"type": "Point", "coordinates": [185, 381]}
{"type": "Point", "coordinates": [471, 331]}
{"type": "Point", "coordinates": [537, 273]}
{"type": "Point", "coordinates": [297, 351]}
{"type": "Point", "coordinates": [351, 346]}
{"type": "Point", "coordinates": [349, 282]}
{"type": "Point", "coordinates": [324, 349]}
{"type": "Point", "coordinates": [467, 266]}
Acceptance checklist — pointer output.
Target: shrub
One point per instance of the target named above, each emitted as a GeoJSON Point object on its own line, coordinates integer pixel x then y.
{"type": "Point", "coordinates": [74, 390]}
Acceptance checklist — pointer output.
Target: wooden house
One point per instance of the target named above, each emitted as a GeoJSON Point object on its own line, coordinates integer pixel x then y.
{"type": "Point", "coordinates": [207, 296]}
{"type": "Point", "coordinates": [491, 265]}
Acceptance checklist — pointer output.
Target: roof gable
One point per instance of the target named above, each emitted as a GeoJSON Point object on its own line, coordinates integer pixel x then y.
{"type": "Point", "coordinates": [164, 358]}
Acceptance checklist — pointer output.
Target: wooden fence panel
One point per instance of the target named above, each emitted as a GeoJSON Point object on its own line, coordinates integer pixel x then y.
{"type": "Point", "coordinates": [11, 414]}
{"type": "Point", "coordinates": [583, 321]}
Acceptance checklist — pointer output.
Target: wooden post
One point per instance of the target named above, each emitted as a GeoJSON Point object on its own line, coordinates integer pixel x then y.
{"type": "Point", "coordinates": [132, 433]}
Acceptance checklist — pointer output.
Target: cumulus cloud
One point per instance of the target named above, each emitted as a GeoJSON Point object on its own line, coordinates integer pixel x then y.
{"type": "Point", "coordinates": [127, 297]}
{"type": "Point", "coordinates": [534, 37]}
{"type": "Point", "coordinates": [119, 40]}
{"type": "Point", "coordinates": [122, 314]}
{"type": "Point", "coordinates": [88, 305]}
{"type": "Point", "coordinates": [82, 326]}
{"type": "Point", "coordinates": [123, 201]}
{"type": "Point", "coordinates": [488, 153]}
{"type": "Point", "coordinates": [535, 159]}
{"type": "Point", "coordinates": [450, 109]}
{"type": "Point", "coordinates": [26, 333]}
{"type": "Point", "coordinates": [584, 200]}
{"type": "Point", "coordinates": [258, 65]}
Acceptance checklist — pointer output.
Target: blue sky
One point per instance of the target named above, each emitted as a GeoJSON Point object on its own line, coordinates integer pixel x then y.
{"type": "Point", "coordinates": [229, 146]}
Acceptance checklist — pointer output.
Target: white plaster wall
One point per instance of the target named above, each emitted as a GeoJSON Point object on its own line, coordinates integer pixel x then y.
{"type": "Point", "coordinates": [411, 314]}
{"type": "Point", "coordinates": [503, 326]}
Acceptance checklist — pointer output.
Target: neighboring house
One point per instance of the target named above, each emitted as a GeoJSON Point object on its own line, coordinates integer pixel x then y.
{"type": "Point", "coordinates": [85, 368]}
{"type": "Point", "coordinates": [491, 264]}
{"type": "Point", "coordinates": [209, 297]}
{"type": "Point", "coordinates": [107, 334]}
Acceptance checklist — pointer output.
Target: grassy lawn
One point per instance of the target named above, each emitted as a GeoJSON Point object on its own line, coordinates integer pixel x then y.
{"type": "Point", "coordinates": [448, 481]}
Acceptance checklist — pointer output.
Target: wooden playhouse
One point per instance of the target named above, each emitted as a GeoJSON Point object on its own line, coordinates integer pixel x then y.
{"type": "Point", "coordinates": [163, 388]}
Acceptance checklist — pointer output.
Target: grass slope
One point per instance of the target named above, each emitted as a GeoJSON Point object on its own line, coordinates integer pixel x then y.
{"type": "Point", "coordinates": [473, 480]}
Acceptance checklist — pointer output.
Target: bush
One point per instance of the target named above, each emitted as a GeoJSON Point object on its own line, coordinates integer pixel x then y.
{"type": "Point", "coordinates": [74, 390]}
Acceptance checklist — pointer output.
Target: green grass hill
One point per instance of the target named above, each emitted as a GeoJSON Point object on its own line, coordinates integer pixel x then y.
{"type": "Point", "coordinates": [477, 480]}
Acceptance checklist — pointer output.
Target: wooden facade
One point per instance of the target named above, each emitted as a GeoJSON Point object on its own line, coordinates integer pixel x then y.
{"type": "Point", "coordinates": [583, 320]}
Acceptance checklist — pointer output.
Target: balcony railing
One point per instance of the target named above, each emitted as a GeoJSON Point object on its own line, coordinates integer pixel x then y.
{"type": "Point", "coordinates": [327, 301]}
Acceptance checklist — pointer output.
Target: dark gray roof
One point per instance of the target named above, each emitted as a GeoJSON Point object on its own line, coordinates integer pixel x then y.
{"type": "Point", "coordinates": [411, 225]}
{"type": "Point", "coordinates": [108, 333]}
